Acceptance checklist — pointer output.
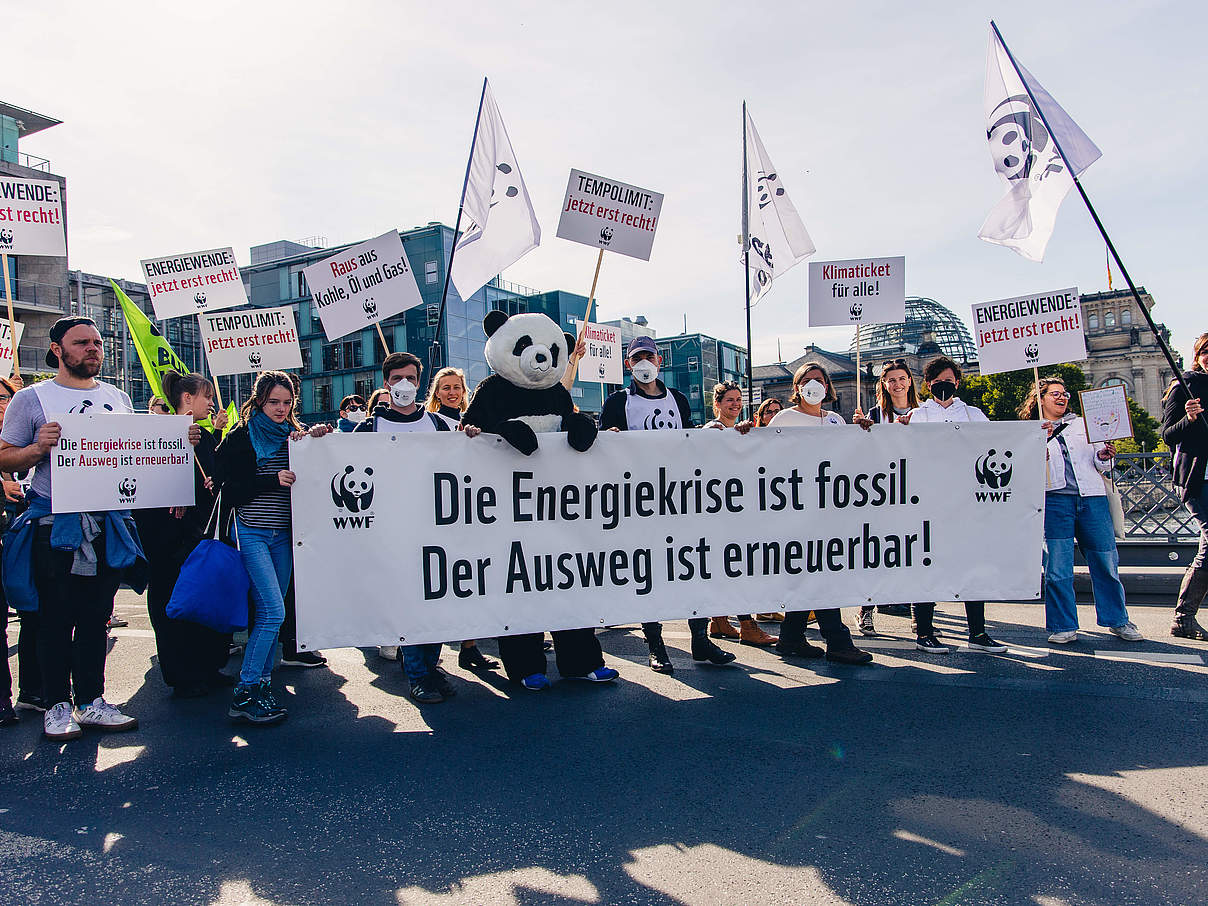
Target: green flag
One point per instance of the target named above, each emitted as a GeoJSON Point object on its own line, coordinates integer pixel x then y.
{"type": "Point", "coordinates": [153, 350]}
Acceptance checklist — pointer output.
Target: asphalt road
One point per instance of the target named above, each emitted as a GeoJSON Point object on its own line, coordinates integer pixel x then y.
{"type": "Point", "coordinates": [1041, 777]}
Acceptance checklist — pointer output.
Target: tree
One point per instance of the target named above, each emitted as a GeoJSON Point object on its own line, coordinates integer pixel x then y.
{"type": "Point", "coordinates": [1000, 395]}
{"type": "Point", "coordinates": [1147, 432]}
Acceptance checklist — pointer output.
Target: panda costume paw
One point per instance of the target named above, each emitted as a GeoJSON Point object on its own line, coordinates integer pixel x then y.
{"type": "Point", "coordinates": [524, 396]}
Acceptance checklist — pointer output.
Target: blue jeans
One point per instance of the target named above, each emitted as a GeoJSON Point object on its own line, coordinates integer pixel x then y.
{"type": "Point", "coordinates": [269, 561]}
{"type": "Point", "coordinates": [1070, 516]}
{"type": "Point", "coordinates": [420, 660]}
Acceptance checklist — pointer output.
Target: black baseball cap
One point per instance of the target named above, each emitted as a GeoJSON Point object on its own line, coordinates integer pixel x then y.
{"type": "Point", "coordinates": [57, 331]}
{"type": "Point", "coordinates": [641, 344]}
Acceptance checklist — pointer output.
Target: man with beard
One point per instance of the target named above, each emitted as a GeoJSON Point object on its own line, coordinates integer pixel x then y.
{"type": "Point", "coordinates": [77, 559]}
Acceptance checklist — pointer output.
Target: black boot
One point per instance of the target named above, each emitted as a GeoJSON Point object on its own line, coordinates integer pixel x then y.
{"type": "Point", "coordinates": [702, 648]}
{"type": "Point", "coordinates": [1191, 595]}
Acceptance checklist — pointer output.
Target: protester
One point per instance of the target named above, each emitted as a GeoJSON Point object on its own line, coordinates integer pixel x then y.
{"type": "Point", "coordinates": [78, 560]}
{"type": "Point", "coordinates": [767, 411]}
{"type": "Point", "coordinates": [1075, 505]}
{"type": "Point", "coordinates": [1185, 432]}
{"type": "Point", "coordinates": [943, 377]}
{"type": "Point", "coordinates": [379, 397]}
{"type": "Point", "coordinates": [252, 470]}
{"type": "Point", "coordinates": [648, 404]}
{"type": "Point", "coordinates": [401, 373]}
{"type": "Point", "coordinates": [727, 407]}
{"type": "Point", "coordinates": [812, 388]}
{"type": "Point", "coordinates": [352, 413]}
{"type": "Point", "coordinates": [190, 655]}
{"type": "Point", "coordinates": [896, 397]}
{"type": "Point", "coordinates": [29, 682]}
{"type": "Point", "coordinates": [447, 395]}
{"type": "Point", "coordinates": [157, 406]}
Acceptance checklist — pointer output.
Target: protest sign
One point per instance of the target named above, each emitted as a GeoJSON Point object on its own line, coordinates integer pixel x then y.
{"type": "Point", "coordinates": [859, 291]}
{"type": "Point", "coordinates": [31, 217]}
{"type": "Point", "coordinates": [602, 361]}
{"type": "Point", "coordinates": [611, 215]}
{"type": "Point", "coordinates": [1029, 331]}
{"type": "Point", "coordinates": [195, 282]}
{"type": "Point", "coordinates": [263, 339]}
{"type": "Point", "coordinates": [1105, 414]}
{"type": "Point", "coordinates": [8, 346]}
{"type": "Point", "coordinates": [121, 462]}
{"type": "Point", "coordinates": [362, 285]}
{"type": "Point", "coordinates": [441, 536]}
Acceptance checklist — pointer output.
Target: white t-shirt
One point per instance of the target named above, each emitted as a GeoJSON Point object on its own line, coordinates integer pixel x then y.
{"type": "Point", "coordinates": [956, 411]}
{"type": "Point", "coordinates": [423, 423]}
{"type": "Point", "coordinates": [795, 418]}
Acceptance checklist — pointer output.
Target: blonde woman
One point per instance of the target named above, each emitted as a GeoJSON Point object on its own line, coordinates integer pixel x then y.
{"type": "Point", "coordinates": [447, 395]}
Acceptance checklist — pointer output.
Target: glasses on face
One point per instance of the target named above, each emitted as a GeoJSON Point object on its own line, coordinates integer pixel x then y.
{"type": "Point", "coordinates": [1059, 394]}
{"type": "Point", "coordinates": [4, 397]}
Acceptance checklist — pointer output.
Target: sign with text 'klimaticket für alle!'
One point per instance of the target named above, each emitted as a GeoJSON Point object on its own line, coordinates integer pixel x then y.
{"type": "Point", "coordinates": [859, 291]}
{"type": "Point", "coordinates": [362, 285]}
{"type": "Point", "coordinates": [1029, 331]}
{"type": "Point", "coordinates": [192, 283]}
{"type": "Point", "coordinates": [607, 214]}
{"type": "Point", "coordinates": [31, 217]}
{"type": "Point", "coordinates": [262, 339]}
{"type": "Point", "coordinates": [602, 361]}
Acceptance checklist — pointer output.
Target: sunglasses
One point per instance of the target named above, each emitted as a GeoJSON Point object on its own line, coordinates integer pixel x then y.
{"type": "Point", "coordinates": [894, 363]}
{"type": "Point", "coordinates": [355, 409]}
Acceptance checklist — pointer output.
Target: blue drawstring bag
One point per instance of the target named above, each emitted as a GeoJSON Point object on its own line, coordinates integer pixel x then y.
{"type": "Point", "coordinates": [213, 585]}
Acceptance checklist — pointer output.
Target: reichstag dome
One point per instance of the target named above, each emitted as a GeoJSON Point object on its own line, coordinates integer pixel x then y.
{"type": "Point", "coordinates": [929, 329]}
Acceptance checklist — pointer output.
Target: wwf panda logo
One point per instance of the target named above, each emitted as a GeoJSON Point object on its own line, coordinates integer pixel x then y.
{"type": "Point", "coordinates": [200, 299]}
{"type": "Point", "coordinates": [6, 237]}
{"type": "Point", "coordinates": [370, 308]}
{"type": "Point", "coordinates": [127, 488]}
{"type": "Point", "coordinates": [85, 406]}
{"type": "Point", "coordinates": [660, 418]}
{"type": "Point", "coordinates": [254, 359]}
{"type": "Point", "coordinates": [1032, 352]}
{"type": "Point", "coordinates": [993, 469]}
{"type": "Point", "coordinates": [352, 489]}
{"type": "Point", "coordinates": [601, 370]}
{"type": "Point", "coordinates": [606, 235]}
{"type": "Point", "coordinates": [856, 309]}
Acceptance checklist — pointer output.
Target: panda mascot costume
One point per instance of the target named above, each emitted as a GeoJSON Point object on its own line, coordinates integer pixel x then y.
{"type": "Point", "coordinates": [524, 396]}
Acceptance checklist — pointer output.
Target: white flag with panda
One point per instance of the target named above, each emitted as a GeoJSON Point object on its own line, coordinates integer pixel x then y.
{"type": "Point", "coordinates": [1026, 155]}
{"type": "Point", "coordinates": [773, 234]}
{"type": "Point", "coordinates": [499, 223]}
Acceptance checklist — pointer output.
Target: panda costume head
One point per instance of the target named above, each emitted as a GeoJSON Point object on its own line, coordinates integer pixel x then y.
{"type": "Point", "coordinates": [528, 350]}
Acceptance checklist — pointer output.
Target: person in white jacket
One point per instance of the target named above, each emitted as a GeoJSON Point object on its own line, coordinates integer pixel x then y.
{"type": "Point", "coordinates": [1076, 507]}
{"type": "Point", "coordinates": [942, 377]}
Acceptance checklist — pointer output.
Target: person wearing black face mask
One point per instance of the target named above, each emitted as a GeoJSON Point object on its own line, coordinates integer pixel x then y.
{"type": "Point", "coordinates": [942, 377]}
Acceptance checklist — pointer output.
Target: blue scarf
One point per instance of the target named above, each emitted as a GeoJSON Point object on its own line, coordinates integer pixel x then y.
{"type": "Point", "coordinates": [267, 436]}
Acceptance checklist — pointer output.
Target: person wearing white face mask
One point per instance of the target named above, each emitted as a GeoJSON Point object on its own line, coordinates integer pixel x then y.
{"type": "Point", "coordinates": [811, 389]}
{"type": "Point", "coordinates": [352, 413]}
{"type": "Point", "coordinates": [400, 373]}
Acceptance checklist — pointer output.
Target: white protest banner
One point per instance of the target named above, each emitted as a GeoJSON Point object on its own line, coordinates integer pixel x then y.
{"type": "Point", "coordinates": [859, 291]}
{"type": "Point", "coordinates": [441, 536]}
{"type": "Point", "coordinates": [263, 339]}
{"type": "Point", "coordinates": [7, 345]}
{"type": "Point", "coordinates": [31, 217]}
{"type": "Point", "coordinates": [1105, 414]}
{"type": "Point", "coordinates": [362, 285]}
{"type": "Point", "coordinates": [607, 214]}
{"type": "Point", "coordinates": [121, 462]}
{"type": "Point", "coordinates": [194, 282]}
{"type": "Point", "coordinates": [602, 361]}
{"type": "Point", "coordinates": [1029, 331]}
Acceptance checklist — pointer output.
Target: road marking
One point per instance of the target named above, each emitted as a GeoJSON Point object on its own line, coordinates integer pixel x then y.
{"type": "Point", "coordinates": [1156, 657]}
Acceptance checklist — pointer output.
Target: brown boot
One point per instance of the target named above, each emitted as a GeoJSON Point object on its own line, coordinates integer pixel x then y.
{"type": "Point", "coordinates": [721, 628]}
{"type": "Point", "coordinates": [771, 617]}
{"type": "Point", "coordinates": [749, 633]}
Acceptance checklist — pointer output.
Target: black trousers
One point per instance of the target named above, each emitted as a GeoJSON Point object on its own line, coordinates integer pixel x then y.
{"type": "Point", "coordinates": [698, 626]}
{"type": "Point", "coordinates": [72, 615]}
{"type": "Point", "coordinates": [830, 623]}
{"type": "Point", "coordinates": [576, 652]}
{"type": "Point", "coordinates": [29, 674]}
{"type": "Point", "coordinates": [189, 653]}
{"type": "Point", "coordinates": [975, 615]}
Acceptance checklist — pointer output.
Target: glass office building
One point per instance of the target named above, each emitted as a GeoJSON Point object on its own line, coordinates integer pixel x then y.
{"type": "Point", "coordinates": [694, 363]}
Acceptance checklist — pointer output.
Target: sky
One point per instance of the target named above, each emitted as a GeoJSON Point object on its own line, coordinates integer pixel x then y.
{"type": "Point", "coordinates": [194, 126]}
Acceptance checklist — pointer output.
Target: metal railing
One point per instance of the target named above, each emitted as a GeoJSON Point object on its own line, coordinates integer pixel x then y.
{"type": "Point", "coordinates": [1153, 510]}
{"type": "Point", "coordinates": [33, 162]}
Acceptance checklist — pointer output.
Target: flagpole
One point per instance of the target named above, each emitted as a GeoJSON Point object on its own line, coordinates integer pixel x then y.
{"type": "Point", "coordinates": [12, 324]}
{"type": "Point", "coordinates": [1174, 365]}
{"type": "Point", "coordinates": [434, 349]}
{"type": "Point", "coordinates": [746, 262]}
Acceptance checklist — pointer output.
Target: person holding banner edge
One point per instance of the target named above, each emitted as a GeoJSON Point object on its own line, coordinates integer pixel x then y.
{"type": "Point", "coordinates": [648, 404]}
{"type": "Point", "coordinates": [76, 561]}
{"type": "Point", "coordinates": [252, 470]}
{"type": "Point", "coordinates": [1075, 506]}
{"type": "Point", "coordinates": [943, 377]}
{"type": "Point", "coordinates": [812, 388]}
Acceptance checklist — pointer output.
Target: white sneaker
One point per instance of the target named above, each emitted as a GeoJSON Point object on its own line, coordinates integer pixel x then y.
{"type": "Point", "coordinates": [59, 725]}
{"type": "Point", "coordinates": [104, 716]}
{"type": "Point", "coordinates": [1063, 638]}
{"type": "Point", "coordinates": [389, 652]}
{"type": "Point", "coordinates": [1128, 632]}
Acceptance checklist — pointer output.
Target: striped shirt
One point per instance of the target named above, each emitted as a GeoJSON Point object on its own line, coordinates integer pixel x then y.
{"type": "Point", "coordinates": [270, 509]}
